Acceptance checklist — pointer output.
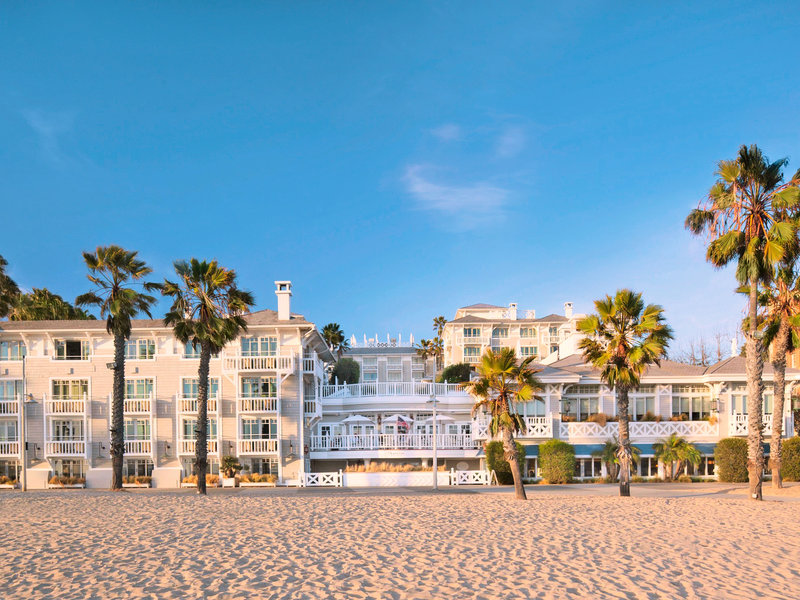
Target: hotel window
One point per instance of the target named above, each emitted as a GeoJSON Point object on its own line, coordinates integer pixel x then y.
{"type": "Point", "coordinates": [70, 389]}
{"type": "Point", "coordinates": [190, 387]}
{"type": "Point", "coordinates": [137, 429]}
{"type": "Point", "coordinates": [580, 402]}
{"type": "Point", "coordinates": [137, 467]}
{"type": "Point", "coordinates": [642, 405]}
{"type": "Point", "coordinates": [553, 332]}
{"type": "Point", "coordinates": [394, 369]}
{"type": "Point", "coordinates": [472, 354]}
{"type": "Point", "coordinates": [500, 332]}
{"type": "Point", "coordinates": [72, 350]}
{"type": "Point", "coordinates": [12, 350]}
{"type": "Point", "coordinates": [140, 349]}
{"type": "Point", "coordinates": [193, 351]}
{"type": "Point", "coordinates": [588, 467]}
{"type": "Point", "coordinates": [10, 389]}
{"type": "Point", "coordinates": [472, 332]}
{"type": "Point", "coordinates": [370, 369]}
{"type": "Point", "coordinates": [647, 467]}
{"type": "Point", "coordinates": [67, 467]}
{"type": "Point", "coordinates": [189, 429]}
{"type": "Point", "coordinates": [260, 346]}
{"type": "Point", "coordinates": [534, 408]}
{"type": "Point", "coordinates": [527, 332]}
{"type": "Point", "coordinates": [259, 429]}
{"type": "Point", "coordinates": [67, 430]}
{"type": "Point", "coordinates": [8, 430]}
{"type": "Point", "coordinates": [690, 402]}
{"type": "Point", "coordinates": [525, 351]}
{"type": "Point", "coordinates": [264, 466]}
{"type": "Point", "coordinates": [259, 387]}
{"type": "Point", "coordinates": [417, 368]}
{"type": "Point", "coordinates": [739, 399]}
{"type": "Point", "coordinates": [138, 389]}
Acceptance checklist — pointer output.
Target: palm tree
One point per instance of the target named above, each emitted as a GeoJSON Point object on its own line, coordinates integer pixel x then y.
{"type": "Point", "coordinates": [502, 383]}
{"type": "Point", "coordinates": [8, 289]}
{"type": "Point", "coordinates": [437, 351]}
{"type": "Point", "coordinates": [43, 305]}
{"type": "Point", "coordinates": [739, 218]}
{"type": "Point", "coordinates": [334, 337]}
{"type": "Point", "coordinates": [438, 325]}
{"type": "Point", "coordinates": [622, 339]}
{"type": "Point", "coordinates": [119, 292]}
{"type": "Point", "coordinates": [425, 350]}
{"type": "Point", "coordinates": [609, 454]}
{"type": "Point", "coordinates": [207, 311]}
{"type": "Point", "coordinates": [674, 451]}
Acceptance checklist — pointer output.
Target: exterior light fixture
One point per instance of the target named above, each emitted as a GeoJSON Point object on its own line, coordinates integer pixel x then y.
{"type": "Point", "coordinates": [715, 405]}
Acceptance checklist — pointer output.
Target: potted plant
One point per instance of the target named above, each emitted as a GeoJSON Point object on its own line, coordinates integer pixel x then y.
{"type": "Point", "coordinates": [229, 466]}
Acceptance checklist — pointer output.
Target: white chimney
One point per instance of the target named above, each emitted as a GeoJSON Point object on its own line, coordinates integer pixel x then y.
{"type": "Point", "coordinates": [734, 347]}
{"type": "Point", "coordinates": [283, 290]}
{"type": "Point", "coordinates": [512, 311]}
{"type": "Point", "coordinates": [568, 309]}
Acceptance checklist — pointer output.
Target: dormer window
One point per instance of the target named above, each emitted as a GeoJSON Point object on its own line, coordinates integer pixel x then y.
{"type": "Point", "coordinates": [72, 350]}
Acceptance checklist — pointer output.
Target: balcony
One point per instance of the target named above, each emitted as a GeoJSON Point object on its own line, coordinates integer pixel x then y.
{"type": "Point", "coordinates": [538, 427]}
{"type": "Point", "coordinates": [256, 405]}
{"type": "Point", "coordinates": [258, 363]}
{"type": "Point", "coordinates": [141, 447]}
{"type": "Point", "coordinates": [472, 340]}
{"type": "Point", "coordinates": [136, 406]}
{"type": "Point", "coordinates": [738, 424]}
{"type": "Point", "coordinates": [387, 441]}
{"type": "Point", "coordinates": [9, 407]}
{"type": "Point", "coordinates": [313, 366]}
{"type": "Point", "coordinates": [587, 430]}
{"type": "Point", "coordinates": [189, 405]}
{"type": "Point", "coordinates": [415, 388]}
{"type": "Point", "coordinates": [65, 406]}
{"type": "Point", "coordinates": [65, 448]}
{"type": "Point", "coordinates": [188, 447]}
{"type": "Point", "coordinates": [257, 446]}
{"type": "Point", "coordinates": [9, 449]}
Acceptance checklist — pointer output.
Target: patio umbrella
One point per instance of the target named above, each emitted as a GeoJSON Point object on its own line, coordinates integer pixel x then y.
{"type": "Point", "coordinates": [357, 419]}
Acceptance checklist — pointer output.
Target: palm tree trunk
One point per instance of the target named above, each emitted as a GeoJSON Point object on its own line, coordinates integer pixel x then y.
{"type": "Point", "coordinates": [510, 448]}
{"type": "Point", "coordinates": [624, 452]}
{"type": "Point", "coordinates": [779, 365]}
{"type": "Point", "coordinates": [754, 368]}
{"type": "Point", "coordinates": [201, 435]}
{"type": "Point", "coordinates": [118, 413]}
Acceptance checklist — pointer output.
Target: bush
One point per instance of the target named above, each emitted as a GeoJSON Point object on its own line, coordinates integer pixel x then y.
{"type": "Point", "coordinates": [230, 466]}
{"type": "Point", "coordinates": [730, 457]}
{"type": "Point", "coordinates": [257, 478]}
{"type": "Point", "coordinates": [557, 461]}
{"type": "Point", "coordinates": [790, 458]}
{"type": "Point", "coordinates": [495, 461]}
{"type": "Point", "coordinates": [457, 373]}
{"type": "Point", "coordinates": [685, 479]}
{"type": "Point", "coordinates": [346, 370]}
{"type": "Point", "coordinates": [638, 479]}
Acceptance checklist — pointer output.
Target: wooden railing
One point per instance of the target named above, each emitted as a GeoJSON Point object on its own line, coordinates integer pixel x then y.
{"type": "Point", "coordinates": [258, 363]}
{"type": "Point", "coordinates": [257, 447]}
{"type": "Point", "coordinates": [189, 446]}
{"type": "Point", "coordinates": [65, 406]}
{"type": "Point", "coordinates": [538, 427]}
{"type": "Point", "coordinates": [257, 404]}
{"type": "Point", "coordinates": [637, 429]}
{"type": "Point", "coordinates": [9, 407]}
{"type": "Point", "coordinates": [65, 448]}
{"type": "Point", "coordinates": [738, 424]}
{"type": "Point", "coordinates": [388, 388]}
{"type": "Point", "coordinates": [189, 405]}
{"type": "Point", "coordinates": [9, 448]}
{"type": "Point", "coordinates": [138, 405]}
{"type": "Point", "coordinates": [397, 441]}
{"type": "Point", "coordinates": [329, 479]}
{"type": "Point", "coordinates": [138, 447]}
{"type": "Point", "coordinates": [313, 366]}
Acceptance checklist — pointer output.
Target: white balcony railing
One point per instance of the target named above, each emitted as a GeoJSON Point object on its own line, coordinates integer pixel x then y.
{"type": "Point", "coordinates": [311, 407]}
{"type": "Point", "coordinates": [189, 446]}
{"type": "Point", "coordinates": [65, 406]}
{"type": "Point", "coordinates": [410, 388]}
{"type": "Point", "coordinates": [65, 448]}
{"type": "Point", "coordinates": [313, 367]}
{"type": "Point", "coordinates": [472, 340]}
{"type": "Point", "coordinates": [258, 363]}
{"type": "Point", "coordinates": [387, 441]}
{"type": "Point", "coordinates": [9, 448]}
{"type": "Point", "coordinates": [637, 429]}
{"type": "Point", "coordinates": [257, 404]}
{"type": "Point", "coordinates": [538, 427]}
{"type": "Point", "coordinates": [189, 405]}
{"type": "Point", "coordinates": [738, 424]}
{"type": "Point", "coordinates": [9, 407]}
{"type": "Point", "coordinates": [257, 447]}
{"type": "Point", "coordinates": [138, 447]}
{"type": "Point", "coordinates": [138, 405]}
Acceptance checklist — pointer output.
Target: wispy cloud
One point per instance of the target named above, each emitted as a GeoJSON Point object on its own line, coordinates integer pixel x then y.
{"type": "Point", "coordinates": [449, 132]}
{"type": "Point", "coordinates": [49, 127]}
{"type": "Point", "coordinates": [463, 206]}
{"type": "Point", "coordinates": [510, 142]}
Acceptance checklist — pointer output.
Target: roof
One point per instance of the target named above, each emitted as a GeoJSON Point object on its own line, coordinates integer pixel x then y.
{"type": "Point", "coordinates": [388, 350]}
{"type": "Point", "coordinates": [481, 305]}
{"type": "Point", "coordinates": [553, 318]}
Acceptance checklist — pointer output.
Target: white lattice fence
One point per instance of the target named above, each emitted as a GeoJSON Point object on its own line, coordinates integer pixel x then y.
{"type": "Point", "coordinates": [538, 427]}
{"type": "Point", "coordinates": [331, 479]}
{"type": "Point", "coordinates": [469, 477]}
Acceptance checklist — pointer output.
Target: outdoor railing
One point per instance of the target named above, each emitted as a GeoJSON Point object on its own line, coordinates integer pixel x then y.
{"type": "Point", "coordinates": [138, 405]}
{"type": "Point", "coordinates": [189, 446]}
{"type": "Point", "coordinates": [65, 448]}
{"type": "Point", "coordinates": [313, 366]}
{"type": "Point", "coordinates": [61, 406]}
{"type": "Point", "coordinates": [389, 388]}
{"type": "Point", "coordinates": [258, 404]}
{"type": "Point", "coordinates": [538, 427]}
{"type": "Point", "coordinates": [189, 404]}
{"type": "Point", "coordinates": [257, 446]}
{"type": "Point", "coordinates": [396, 441]}
{"type": "Point", "coordinates": [637, 429]}
{"type": "Point", "coordinates": [473, 340]}
{"type": "Point", "coordinates": [9, 448]}
{"type": "Point", "coordinates": [258, 363]}
{"type": "Point", "coordinates": [738, 424]}
{"type": "Point", "coordinates": [9, 407]}
{"type": "Point", "coordinates": [138, 447]}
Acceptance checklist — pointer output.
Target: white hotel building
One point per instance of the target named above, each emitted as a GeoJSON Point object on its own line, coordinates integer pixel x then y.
{"type": "Point", "coordinates": [273, 407]}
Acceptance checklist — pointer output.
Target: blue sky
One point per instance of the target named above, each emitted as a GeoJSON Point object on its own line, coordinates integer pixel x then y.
{"type": "Point", "coordinates": [394, 160]}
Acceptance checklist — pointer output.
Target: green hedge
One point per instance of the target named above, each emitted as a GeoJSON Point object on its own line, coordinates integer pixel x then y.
{"type": "Point", "coordinates": [790, 459]}
{"type": "Point", "coordinates": [730, 457]}
{"type": "Point", "coordinates": [346, 370]}
{"type": "Point", "coordinates": [495, 461]}
{"type": "Point", "coordinates": [557, 461]}
{"type": "Point", "coordinates": [457, 373]}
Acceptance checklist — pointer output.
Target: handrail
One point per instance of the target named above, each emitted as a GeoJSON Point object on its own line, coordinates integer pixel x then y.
{"type": "Point", "coordinates": [391, 388]}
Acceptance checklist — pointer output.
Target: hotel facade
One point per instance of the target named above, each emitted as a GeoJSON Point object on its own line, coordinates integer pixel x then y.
{"type": "Point", "coordinates": [273, 407]}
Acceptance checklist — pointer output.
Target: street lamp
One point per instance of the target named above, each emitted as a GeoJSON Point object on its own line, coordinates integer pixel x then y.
{"type": "Point", "coordinates": [433, 400]}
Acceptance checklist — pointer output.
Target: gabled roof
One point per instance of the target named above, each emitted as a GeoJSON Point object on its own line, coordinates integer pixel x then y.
{"type": "Point", "coordinates": [407, 350]}
{"type": "Point", "coordinates": [481, 305]}
{"type": "Point", "coordinates": [476, 319]}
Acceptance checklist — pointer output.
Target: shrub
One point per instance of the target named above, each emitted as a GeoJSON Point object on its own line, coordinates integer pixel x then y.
{"type": "Point", "coordinates": [557, 461]}
{"type": "Point", "coordinates": [790, 458]}
{"type": "Point", "coordinates": [346, 370]}
{"type": "Point", "coordinates": [457, 373]}
{"type": "Point", "coordinates": [684, 479]}
{"type": "Point", "coordinates": [6, 480]}
{"type": "Point", "coordinates": [258, 478]}
{"type": "Point", "coordinates": [495, 461]}
{"type": "Point", "coordinates": [230, 466]}
{"type": "Point", "coordinates": [638, 479]}
{"type": "Point", "coordinates": [730, 457]}
{"type": "Point", "coordinates": [600, 418]}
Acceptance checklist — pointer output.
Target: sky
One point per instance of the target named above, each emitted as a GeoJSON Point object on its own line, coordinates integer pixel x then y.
{"type": "Point", "coordinates": [394, 160]}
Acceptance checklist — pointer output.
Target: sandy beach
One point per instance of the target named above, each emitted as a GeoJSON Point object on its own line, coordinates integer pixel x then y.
{"type": "Point", "coordinates": [170, 545]}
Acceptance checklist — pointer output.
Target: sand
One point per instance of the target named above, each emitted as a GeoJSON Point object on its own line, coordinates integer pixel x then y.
{"type": "Point", "coordinates": [71, 545]}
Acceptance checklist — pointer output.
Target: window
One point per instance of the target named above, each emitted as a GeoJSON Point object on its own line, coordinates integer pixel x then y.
{"type": "Point", "coordinates": [72, 350]}
{"type": "Point", "coordinates": [260, 346]}
{"type": "Point", "coordinates": [580, 402]}
{"type": "Point", "coordinates": [137, 429]}
{"type": "Point", "coordinates": [370, 369]}
{"type": "Point", "coordinates": [472, 332]}
{"type": "Point", "coordinates": [137, 467]}
{"type": "Point", "coordinates": [369, 376]}
{"type": "Point", "coordinates": [647, 467]}
{"type": "Point", "coordinates": [472, 354]}
{"type": "Point", "coordinates": [259, 387]}
{"type": "Point", "coordinates": [189, 428]}
{"type": "Point", "coordinates": [191, 350]}
{"type": "Point", "coordinates": [264, 466]}
{"type": "Point", "coordinates": [553, 332]}
{"type": "Point", "coordinates": [259, 429]}
{"type": "Point", "coordinates": [12, 350]}
{"type": "Point", "coordinates": [394, 368]}
{"type": "Point", "coordinates": [140, 349]}
{"type": "Point", "coordinates": [525, 351]}
{"type": "Point", "coordinates": [395, 376]}
{"type": "Point", "coordinates": [138, 389]}
{"type": "Point", "coordinates": [691, 402]}
{"type": "Point", "coordinates": [191, 385]}
{"type": "Point", "coordinates": [642, 406]}
{"type": "Point", "coordinates": [417, 368]}
{"type": "Point", "coordinates": [10, 389]}
{"type": "Point", "coordinates": [500, 332]}
{"type": "Point", "coordinates": [8, 430]}
{"type": "Point", "coordinates": [588, 467]}
{"type": "Point", "coordinates": [67, 430]}
{"type": "Point", "coordinates": [68, 468]}
{"type": "Point", "coordinates": [739, 399]}
{"type": "Point", "coordinates": [527, 332]}
{"type": "Point", "coordinates": [70, 389]}
{"type": "Point", "coordinates": [534, 408]}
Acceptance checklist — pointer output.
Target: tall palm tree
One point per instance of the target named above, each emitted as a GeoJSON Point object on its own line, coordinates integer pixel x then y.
{"type": "Point", "coordinates": [622, 339]}
{"type": "Point", "coordinates": [8, 289]}
{"type": "Point", "coordinates": [437, 351]}
{"type": "Point", "coordinates": [502, 383]}
{"type": "Point", "coordinates": [207, 311]}
{"type": "Point", "coordinates": [119, 292]}
{"type": "Point", "coordinates": [438, 325]}
{"type": "Point", "coordinates": [609, 455]}
{"type": "Point", "coordinates": [334, 337]}
{"type": "Point", "coordinates": [43, 305]}
{"type": "Point", "coordinates": [739, 219]}
{"type": "Point", "coordinates": [675, 451]}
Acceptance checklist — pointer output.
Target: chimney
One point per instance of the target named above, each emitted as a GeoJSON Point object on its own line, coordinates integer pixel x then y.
{"type": "Point", "coordinates": [512, 311]}
{"type": "Point", "coordinates": [568, 309]}
{"type": "Point", "coordinates": [734, 347]}
{"type": "Point", "coordinates": [530, 314]}
{"type": "Point", "coordinates": [283, 290]}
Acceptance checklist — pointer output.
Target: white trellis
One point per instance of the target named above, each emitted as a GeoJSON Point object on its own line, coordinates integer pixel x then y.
{"type": "Point", "coordinates": [330, 479]}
